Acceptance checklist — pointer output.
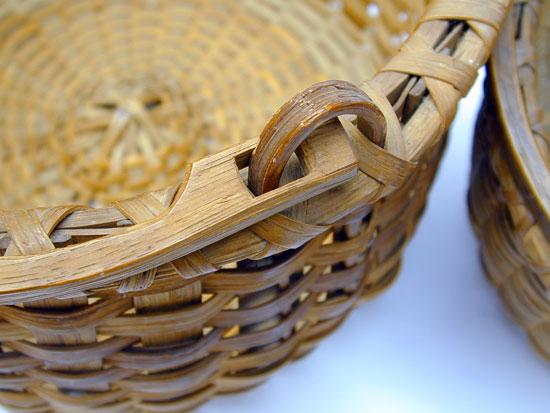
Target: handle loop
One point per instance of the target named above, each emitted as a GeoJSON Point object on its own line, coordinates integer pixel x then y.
{"type": "Point", "coordinates": [299, 117]}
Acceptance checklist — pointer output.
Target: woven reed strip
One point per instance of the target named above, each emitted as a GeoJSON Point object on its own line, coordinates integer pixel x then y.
{"type": "Point", "coordinates": [508, 196]}
{"type": "Point", "coordinates": [310, 265]}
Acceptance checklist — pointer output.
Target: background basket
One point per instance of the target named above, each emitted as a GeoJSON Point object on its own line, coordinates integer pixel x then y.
{"type": "Point", "coordinates": [255, 253]}
{"type": "Point", "coordinates": [510, 184]}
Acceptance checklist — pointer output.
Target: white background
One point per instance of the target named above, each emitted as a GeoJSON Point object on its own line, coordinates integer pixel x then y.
{"type": "Point", "coordinates": [437, 341]}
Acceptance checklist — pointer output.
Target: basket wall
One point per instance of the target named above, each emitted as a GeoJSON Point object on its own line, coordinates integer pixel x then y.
{"type": "Point", "coordinates": [514, 233]}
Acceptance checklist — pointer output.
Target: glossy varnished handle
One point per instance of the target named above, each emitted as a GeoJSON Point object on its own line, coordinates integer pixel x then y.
{"type": "Point", "coordinates": [299, 117]}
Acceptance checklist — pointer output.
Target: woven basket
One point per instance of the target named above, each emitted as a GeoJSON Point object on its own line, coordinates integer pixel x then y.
{"type": "Point", "coordinates": [248, 257]}
{"type": "Point", "coordinates": [510, 184]}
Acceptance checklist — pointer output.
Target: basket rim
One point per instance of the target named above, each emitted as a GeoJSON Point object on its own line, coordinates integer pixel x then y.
{"type": "Point", "coordinates": [452, 40]}
{"type": "Point", "coordinates": [534, 173]}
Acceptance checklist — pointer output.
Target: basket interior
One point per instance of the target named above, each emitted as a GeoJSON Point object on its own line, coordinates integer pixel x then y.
{"type": "Point", "coordinates": [101, 100]}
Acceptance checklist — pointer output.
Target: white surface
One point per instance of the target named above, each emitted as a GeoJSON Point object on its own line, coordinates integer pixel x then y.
{"type": "Point", "coordinates": [436, 341]}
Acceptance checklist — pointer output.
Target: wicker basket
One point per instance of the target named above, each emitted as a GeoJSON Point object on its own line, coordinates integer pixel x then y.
{"type": "Point", "coordinates": [248, 257]}
{"type": "Point", "coordinates": [510, 184]}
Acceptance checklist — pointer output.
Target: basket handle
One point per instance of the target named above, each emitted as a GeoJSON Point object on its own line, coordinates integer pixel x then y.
{"type": "Point", "coordinates": [301, 115]}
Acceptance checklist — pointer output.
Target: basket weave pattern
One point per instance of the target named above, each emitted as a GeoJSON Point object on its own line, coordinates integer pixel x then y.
{"type": "Point", "coordinates": [161, 300]}
{"type": "Point", "coordinates": [509, 212]}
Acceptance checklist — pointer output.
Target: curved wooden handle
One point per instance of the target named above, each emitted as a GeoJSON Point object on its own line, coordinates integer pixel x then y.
{"type": "Point", "coordinates": [299, 117]}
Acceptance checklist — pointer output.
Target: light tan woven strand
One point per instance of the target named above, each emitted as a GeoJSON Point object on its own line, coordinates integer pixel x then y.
{"type": "Point", "coordinates": [445, 97]}
{"type": "Point", "coordinates": [489, 12]}
{"type": "Point", "coordinates": [141, 209]}
{"type": "Point", "coordinates": [29, 234]}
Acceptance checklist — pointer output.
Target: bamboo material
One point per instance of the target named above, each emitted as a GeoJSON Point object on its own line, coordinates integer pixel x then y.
{"type": "Point", "coordinates": [510, 184]}
{"type": "Point", "coordinates": [251, 255]}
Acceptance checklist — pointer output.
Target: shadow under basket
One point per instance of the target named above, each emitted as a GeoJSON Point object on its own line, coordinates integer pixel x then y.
{"type": "Point", "coordinates": [219, 272]}
{"type": "Point", "coordinates": [509, 196]}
